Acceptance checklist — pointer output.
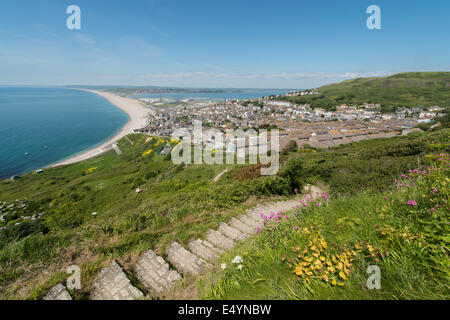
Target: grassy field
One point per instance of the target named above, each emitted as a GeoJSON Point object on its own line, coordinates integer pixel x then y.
{"type": "Point", "coordinates": [414, 89]}
{"type": "Point", "coordinates": [323, 250]}
{"type": "Point", "coordinates": [90, 212]}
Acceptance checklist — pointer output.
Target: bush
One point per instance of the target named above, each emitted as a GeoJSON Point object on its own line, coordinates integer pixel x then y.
{"type": "Point", "coordinates": [291, 146]}
{"type": "Point", "coordinates": [293, 170]}
{"type": "Point", "coordinates": [15, 233]}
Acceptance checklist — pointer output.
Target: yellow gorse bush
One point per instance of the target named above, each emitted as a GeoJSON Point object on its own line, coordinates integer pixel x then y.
{"type": "Point", "coordinates": [315, 261]}
{"type": "Point", "coordinates": [146, 153]}
{"type": "Point", "coordinates": [90, 170]}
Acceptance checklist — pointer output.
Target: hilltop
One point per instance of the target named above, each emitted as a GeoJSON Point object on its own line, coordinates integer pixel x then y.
{"type": "Point", "coordinates": [412, 89]}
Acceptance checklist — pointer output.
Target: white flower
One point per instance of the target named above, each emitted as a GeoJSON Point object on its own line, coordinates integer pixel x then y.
{"type": "Point", "coordinates": [223, 266]}
{"type": "Point", "coordinates": [240, 267]}
{"type": "Point", "coordinates": [237, 259]}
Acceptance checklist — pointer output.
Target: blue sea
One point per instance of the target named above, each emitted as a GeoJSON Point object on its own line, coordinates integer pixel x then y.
{"type": "Point", "coordinates": [213, 96]}
{"type": "Point", "coordinates": [51, 124]}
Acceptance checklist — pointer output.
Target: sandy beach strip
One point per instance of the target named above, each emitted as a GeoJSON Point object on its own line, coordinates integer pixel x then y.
{"type": "Point", "coordinates": [137, 113]}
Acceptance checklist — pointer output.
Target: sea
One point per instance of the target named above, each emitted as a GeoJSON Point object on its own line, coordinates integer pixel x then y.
{"type": "Point", "coordinates": [40, 126]}
{"type": "Point", "coordinates": [213, 96]}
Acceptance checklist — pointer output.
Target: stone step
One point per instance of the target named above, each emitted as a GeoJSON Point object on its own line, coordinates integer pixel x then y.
{"type": "Point", "coordinates": [154, 273]}
{"type": "Point", "coordinates": [257, 218]}
{"type": "Point", "coordinates": [244, 228]}
{"type": "Point", "coordinates": [113, 284]}
{"type": "Point", "coordinates": [252, 223]}
{"type": "Point", "coordinates": [219, 240]}
{"type": "Point", "coordinates": [231, 232]}
{"type": "Point", "coordinates": [58, 292]}
{"type": "Point", "coordinates": [186, 262]}
{"type": "Point", "coordinates": [205, 250]}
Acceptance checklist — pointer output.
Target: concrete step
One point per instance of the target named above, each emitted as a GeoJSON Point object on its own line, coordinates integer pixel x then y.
{"type": "Point", "coordinates": [58, 292]}
{"type": "Point", "coordinates": [113, 284]}
{"type": "Point", "coordinates": [186, 262]}
{"type": "Point", "coordinates": [219, 240]}
{"type": "Point", "coordinates": [204, 250]}
{"type": "Point", "coordinates": [252, 223]}
{"type": "Point", "coordinates": [239, 225]}
{"type": "Point", "coordinates": [231, 232]}
{"type": "Point", "coordinates": [154, 273]}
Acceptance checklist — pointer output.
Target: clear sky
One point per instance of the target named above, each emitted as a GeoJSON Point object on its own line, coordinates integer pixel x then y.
{"type": "Point", "coordinates": [219, 43]}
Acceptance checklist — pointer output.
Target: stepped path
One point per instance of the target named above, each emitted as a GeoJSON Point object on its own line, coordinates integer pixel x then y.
{"type": "Point", "coordinates": [156, 275]}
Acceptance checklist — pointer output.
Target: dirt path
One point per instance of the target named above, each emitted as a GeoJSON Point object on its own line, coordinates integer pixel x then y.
{"type": "Point", "coordinates": [220, 175]}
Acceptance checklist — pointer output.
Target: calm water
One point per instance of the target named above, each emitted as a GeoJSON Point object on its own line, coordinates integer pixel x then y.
{"type": "Point", "coordinates": [214, 96]}
{"type": "Point", "coordinates": [65, 121]}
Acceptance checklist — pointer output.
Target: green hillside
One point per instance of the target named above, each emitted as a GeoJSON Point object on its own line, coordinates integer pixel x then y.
{"type": "Point", "coordinates": [90, 212]}
{"type": "Point", "coordinates": [414, 89]}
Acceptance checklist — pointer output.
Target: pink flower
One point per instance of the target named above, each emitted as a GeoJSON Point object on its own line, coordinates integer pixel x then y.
{"type": "Point", "coordinates": [412, 203]}
{"type": "Point", "coordinates": [286, 217]}
{"type": "Point", "coordinates": [433, 210]}
{"type": "Point", "coordinates": [295, 190]}
{"type": "Point", "coordinates": [297, 227]}
{"type": "Point", "coordinates": [385, 198]}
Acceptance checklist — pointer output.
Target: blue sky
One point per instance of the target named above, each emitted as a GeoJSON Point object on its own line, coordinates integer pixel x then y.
{"type": "Point", "coordinates": [233, 43]}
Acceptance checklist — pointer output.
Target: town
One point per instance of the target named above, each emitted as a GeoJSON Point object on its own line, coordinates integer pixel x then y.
{"type": "Point", "coordinates": [302, 123]}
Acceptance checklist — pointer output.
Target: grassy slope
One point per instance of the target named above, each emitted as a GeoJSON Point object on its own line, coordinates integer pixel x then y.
{"type": "Point", "coordinates": [178, 203]}
{"type": "Point", "coordinates": [410, 245]}
{"type": "Point", "coordinates": [404, 89]}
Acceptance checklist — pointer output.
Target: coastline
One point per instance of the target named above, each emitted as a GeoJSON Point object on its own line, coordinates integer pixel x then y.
{"type": "Point", "coordinates": [137, 114]}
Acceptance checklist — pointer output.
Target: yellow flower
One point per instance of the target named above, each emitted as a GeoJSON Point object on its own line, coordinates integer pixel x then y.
{"type": "Point", "coordinates": [342, 275]}
{"type": "Point", "coordinates": [333, 282]}
{"type": "Point", "coordinates": [298, 270]}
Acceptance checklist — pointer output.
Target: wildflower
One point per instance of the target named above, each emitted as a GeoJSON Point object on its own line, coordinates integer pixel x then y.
{"type": "Point", "coordinates": [237, 259]}
{"type": "Point", "coordinates": [240, 267]}
{"type": "Point", "coordinates": [433, 210]}
{"type": "Point", "coordinates": [385, 197]}
{"type": "Point", "coordinates": [258, 229]}
{"type": "Point", "coordinates": [286, 217]}
{"type": "Point", "coordinates": [295, 190]}
{"type": "Point", "coordinates": [223, 266]}
{"type": "Point", "coordinates": [412, 203]}
{"type": "Point", "coordinates": [297, 227]}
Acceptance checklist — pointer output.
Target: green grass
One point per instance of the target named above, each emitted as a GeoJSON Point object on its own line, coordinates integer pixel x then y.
{"type": "Point", "coordinates": [409, 244]}
{"type": "Point", "coordinates": [414, 89]}
{"type": "Point", "coordinates": [178, 203]}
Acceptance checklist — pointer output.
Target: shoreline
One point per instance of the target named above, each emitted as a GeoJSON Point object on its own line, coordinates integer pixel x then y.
{"type": "Point", "coordinates": [138, 118]}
